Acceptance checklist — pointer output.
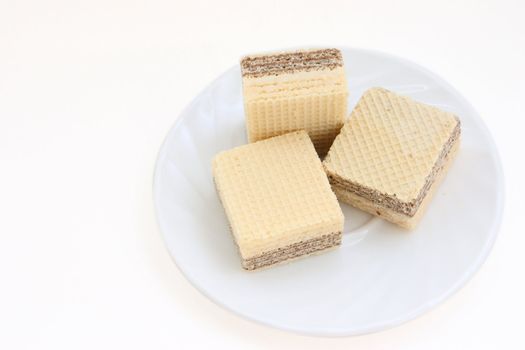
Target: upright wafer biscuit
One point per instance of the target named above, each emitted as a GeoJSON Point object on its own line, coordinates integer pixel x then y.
{"type": "Point", "coordinates": [391, 155]}
{"type": "Point", "coordinates": [300, 90]}
{"type": "Point", "coordinates": [277, 199]}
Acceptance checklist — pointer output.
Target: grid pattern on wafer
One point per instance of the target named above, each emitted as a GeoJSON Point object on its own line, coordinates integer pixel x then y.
{"type": "Point", "coordinates": [313, 100]}
{"type": "Point", "coordinates": [390, 144]}
{"type": "Point", "coordinates": [321, 115]}
{"type": "Point", "coordinates": [275, 193]}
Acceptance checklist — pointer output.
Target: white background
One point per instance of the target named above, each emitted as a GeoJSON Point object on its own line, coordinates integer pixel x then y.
{"type": "Point", "coordinates": [88, 90]}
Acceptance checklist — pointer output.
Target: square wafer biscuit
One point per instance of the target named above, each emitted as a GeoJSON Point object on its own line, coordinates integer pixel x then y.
{"type": "Point", "coordinates": [277, 199]}
{"type": "Point", "coordinates": [299, 90]}
{"type": "Point", "coordinates": [391, 155]}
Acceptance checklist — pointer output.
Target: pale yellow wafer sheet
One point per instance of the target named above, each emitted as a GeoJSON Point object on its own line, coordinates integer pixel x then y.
{"type": "Point", "coordinates": [390, 144]}
{"type": "Point", "coordinates": [315, 101]}
{"type": "Point", "coordinates": [275, 193]}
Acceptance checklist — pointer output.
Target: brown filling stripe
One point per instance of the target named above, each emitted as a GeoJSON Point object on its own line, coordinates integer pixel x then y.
{"type": "Point", "coordinates": [291, 62]}
{"type": "Point", "coordinates": [294, 250]}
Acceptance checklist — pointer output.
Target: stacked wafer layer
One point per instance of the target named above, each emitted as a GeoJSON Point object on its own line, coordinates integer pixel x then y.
{"type": "Point", "coordinates": [302, 90]}
{"type": "Point", "coordinates": [391, 155]}
{"type": "Point", "coordinates": [277, 199]}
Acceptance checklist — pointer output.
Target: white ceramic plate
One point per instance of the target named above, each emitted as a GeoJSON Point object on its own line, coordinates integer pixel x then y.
{"type": "Point", "coordinates": [381, 276]}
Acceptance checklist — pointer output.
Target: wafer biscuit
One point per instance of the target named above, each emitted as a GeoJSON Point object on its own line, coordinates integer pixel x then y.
{"type": "Point", "coordinates": [391, 155]}
{"type": "Point", "coordinates": [300, 90]}
{"type": "Point", "coordinates": [277, 199]}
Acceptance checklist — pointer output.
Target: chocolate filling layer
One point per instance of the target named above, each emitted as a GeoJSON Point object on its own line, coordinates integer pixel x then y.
{"type": "Point", "coordinates": [293, 251]}
{"type": "Point", "coordinates": [390, 200]}
{"type": "Point", "coordinates": [258, 66]}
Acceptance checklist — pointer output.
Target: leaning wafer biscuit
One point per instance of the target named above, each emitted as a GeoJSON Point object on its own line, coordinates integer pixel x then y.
{"type": "Point", "coordinates": [278, 200]}
{"type": "Point", "coordinates": [391, 155]}
{"type": "Point", "coordinates": [300, 90]}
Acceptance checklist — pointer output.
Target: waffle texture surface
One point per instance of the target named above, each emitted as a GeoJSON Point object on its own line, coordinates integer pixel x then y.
{"type": "Point", "coordinates": [389, 214]}
{"type": "Point", "coordinates": [391, 148]}
{"type": "Point", "coordinates": [300, 90]}
{"type": "Point", "coordinates": [275, 194]}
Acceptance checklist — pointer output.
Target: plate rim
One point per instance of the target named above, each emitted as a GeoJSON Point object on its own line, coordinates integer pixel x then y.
{"type": "Point", "coordinates": [381, 326]}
